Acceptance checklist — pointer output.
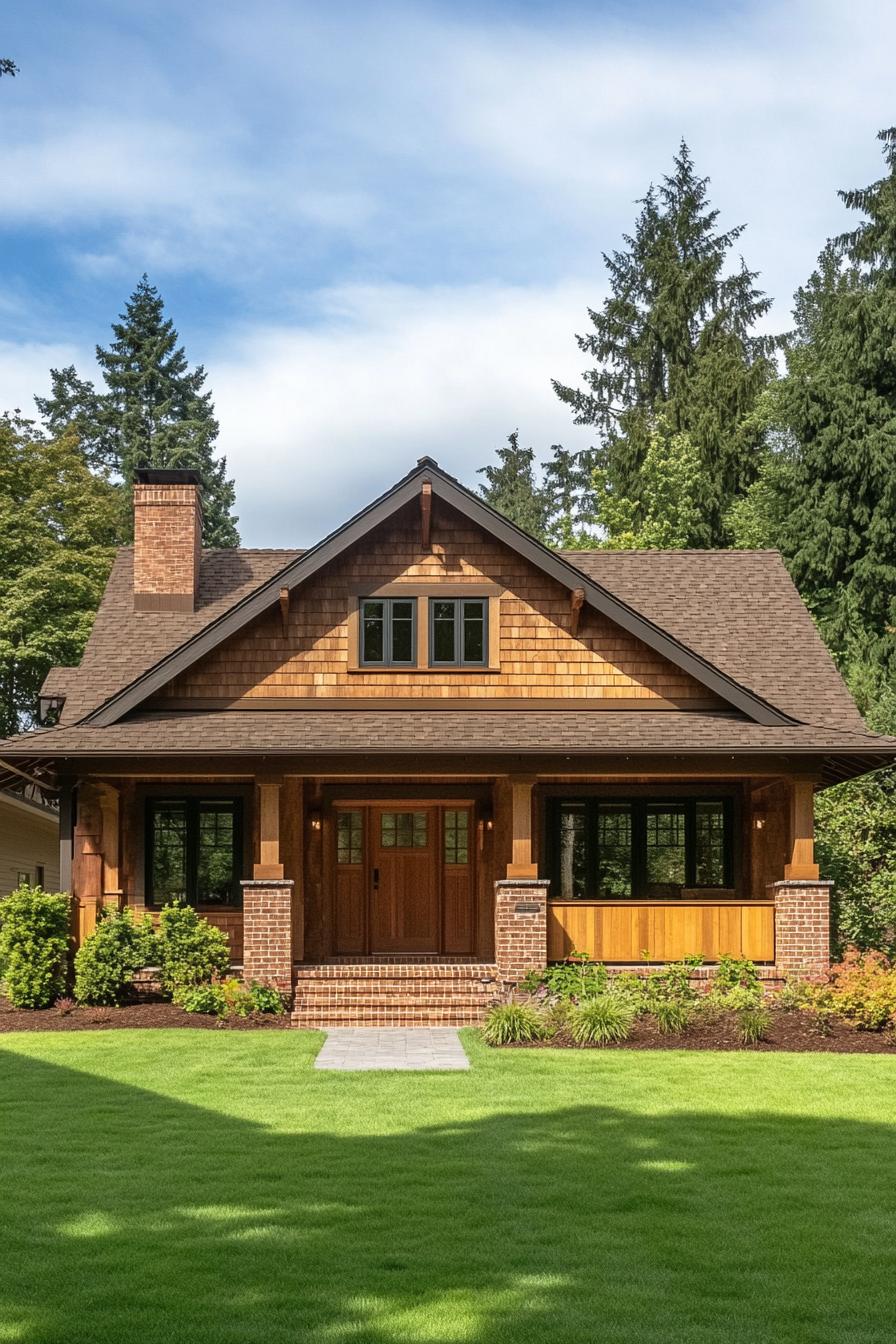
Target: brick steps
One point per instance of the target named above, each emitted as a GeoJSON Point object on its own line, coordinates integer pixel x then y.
{"type": "Point", "coordinates": [393, 994]}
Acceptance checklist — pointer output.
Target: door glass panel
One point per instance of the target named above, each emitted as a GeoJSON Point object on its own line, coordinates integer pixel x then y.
{"type": "Point", "coordinates": [665, 845]}
{"type": "Point", "coordinates": [349, 837]}
{"type": "Point", "coordinates": [474, 632]}
{"type": "Point", "coordinates": [216, 850]}
{"type": "Point", "coordinates": [457, 835]}
{"type": "Point", "coordinates": [403, 830]}
{"type": "Point", "coordinates": [169, 852]}
{"type": "Point", "coordinates": [614, 850]}
{"type": "Point", "coordinates": [373, 644]}
{"type": "Point", "coordinates": [710, 837]}
{"type": "Point", "coordinates": [572, 852]}
{"type": "Point", "coordinates": [443, 614]}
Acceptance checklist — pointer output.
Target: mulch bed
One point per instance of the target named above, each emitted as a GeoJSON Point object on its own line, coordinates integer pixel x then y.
{"type": "Point", "coordinates": [789, 1032]}
{"type": "Point", "coordinates": [147, 1012]}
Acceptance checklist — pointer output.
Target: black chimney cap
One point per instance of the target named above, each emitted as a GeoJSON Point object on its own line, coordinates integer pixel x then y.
{"type": "Point", "coordinates": [167, 476]}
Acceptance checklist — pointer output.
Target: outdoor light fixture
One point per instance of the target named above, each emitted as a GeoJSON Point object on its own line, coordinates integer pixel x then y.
{"type": "Point", "coordinates": [315, 818]}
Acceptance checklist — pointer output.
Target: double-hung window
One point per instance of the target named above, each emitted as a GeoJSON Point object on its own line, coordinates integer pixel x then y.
{"type": "Point", "coordinates": [389, 632]}
{"type": "Point", "coordinates": [194, 850]}
{"type": "Point", "coordinates": [612, 849]}
{"type": "Point", "coordinates": [458, 632]}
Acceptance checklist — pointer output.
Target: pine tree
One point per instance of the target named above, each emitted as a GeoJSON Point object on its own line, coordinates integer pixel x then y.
{"type": "Point", "coordinates": [838, 401]}
{"type": "Point", "coordinates": [569, 495]}
{"type": "Point", "coordinates": [154, 412]}
{"type": "Point", "coordinates": [512, 489]}
{"type": "Point", "coordinates": [675, 341]}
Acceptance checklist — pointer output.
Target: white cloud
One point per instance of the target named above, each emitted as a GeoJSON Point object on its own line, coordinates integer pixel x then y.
{"type": "Point", "coordinates": [316, 421]}
{"type": "Point", "coordinates": [24, 371]}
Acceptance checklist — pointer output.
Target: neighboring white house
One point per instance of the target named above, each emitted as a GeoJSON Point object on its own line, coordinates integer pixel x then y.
{"type": "Point", "coordinates": [29, 844]}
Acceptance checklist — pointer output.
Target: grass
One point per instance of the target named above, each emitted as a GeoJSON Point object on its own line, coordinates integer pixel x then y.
{"type": "Point", "coordinates": [212, 1188]}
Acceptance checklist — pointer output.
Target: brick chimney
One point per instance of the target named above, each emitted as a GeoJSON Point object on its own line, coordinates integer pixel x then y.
{"type": "Point", "coordinates": [167, 540]}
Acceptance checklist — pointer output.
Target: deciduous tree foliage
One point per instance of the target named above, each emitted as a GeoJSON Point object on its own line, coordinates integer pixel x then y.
{"type": "Point", "coordinates": [667, 512]}
{"type": "Point", "coordinates": [676, 339]}
{"type": "Point", "coordinates": [154, 411]}
{"type": "Point", "coordinates": [58, 525]}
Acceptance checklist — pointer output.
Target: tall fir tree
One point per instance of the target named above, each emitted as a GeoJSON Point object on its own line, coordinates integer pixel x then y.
{"type": "Point", "coordinates": [154, 412]}
{"type": "Point", "coordinates": [838, 403]}
{"type": "Point", "coordinates": [569, 494]}
{"type": "Point", "coordinates": [676, 341]}
{"type": "Point", "coordinates": [512, 489]}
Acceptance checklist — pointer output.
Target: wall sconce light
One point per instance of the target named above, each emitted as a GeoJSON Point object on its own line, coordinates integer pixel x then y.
{"type": "Point", "coordinates": [487, 818]}
{"type": "Point", "coordinates": [315, 818]}
{"type": "Point", "coordinates": [759, 820]}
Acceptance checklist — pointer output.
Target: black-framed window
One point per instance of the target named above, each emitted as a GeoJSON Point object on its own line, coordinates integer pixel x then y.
{"type": "Point", "coordinates": [616, 848]}
{"type": "Point", "coordinates": [194, 850]}
{"type": "Point", "coordinates": [458, 631]}
{"type": "Point", "coordinates": [389, 632]}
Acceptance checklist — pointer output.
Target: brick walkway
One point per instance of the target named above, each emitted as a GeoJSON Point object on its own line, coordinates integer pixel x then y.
{"type": "Point", "coordinates": [349, 1048]}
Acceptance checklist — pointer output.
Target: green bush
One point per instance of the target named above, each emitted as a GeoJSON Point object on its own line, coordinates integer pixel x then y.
{"type": "Point", "coordinates": [190, 950]}
{"type": "Point", "coordinates": [672, 982]}
{"type": "Point", "coordinates": [34, 944]}
{"type": "Point", "coordinates": [229, 998]}
{"type": "Point", "coordinates": [672, 1016]}
{"type": "Point", "coordinates": [601, 1020]}
{"type": "Point", "coordinates": [737, 973]}
{"type": "Point", "coordinates": [574, 978]}
{"type": "Point", "coordinates": [509, 1022]}
{"type": "Point", "coordinates": [106, 961]}
{"type": "Point", "coordinates": [753, 1023]}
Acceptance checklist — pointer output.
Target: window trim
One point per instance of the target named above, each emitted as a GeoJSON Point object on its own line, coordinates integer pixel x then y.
{"type": "Point", "coordinates": [241, 795]}
{"type": "Point", "coordinates": [639, 804]}
{"type": "Point", "coordinates": [418, 592]}
{"type": "Point", "coordinates": [388, 661]}
{"type": "Point", "coordinates": [459, 603]}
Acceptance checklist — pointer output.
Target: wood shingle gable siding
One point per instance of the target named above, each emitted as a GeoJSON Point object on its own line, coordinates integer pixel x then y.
{"type": "Point", "coordinates": [537, 655]}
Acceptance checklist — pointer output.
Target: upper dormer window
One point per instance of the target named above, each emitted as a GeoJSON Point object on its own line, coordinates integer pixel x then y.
{"type": "Point", "coordinates": [389, 632]}
{"type": "Point", "coordinates": [458, 632]}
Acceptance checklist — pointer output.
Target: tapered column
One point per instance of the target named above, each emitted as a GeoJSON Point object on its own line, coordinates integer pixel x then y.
{"type": "Point", "coordinates": [802, 866]}
{"type": "Point", "coordinates": [269, 865]}
{"type": "Point", "coordinates": [521, 865]}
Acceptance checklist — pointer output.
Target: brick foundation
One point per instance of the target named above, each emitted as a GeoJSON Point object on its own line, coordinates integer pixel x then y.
{"type": "Point", "coordinates": [802, 926]}
{"type": "Point", "coordinates": [521, 928]}
{"type": "Point", "coordinates": [267, 933]}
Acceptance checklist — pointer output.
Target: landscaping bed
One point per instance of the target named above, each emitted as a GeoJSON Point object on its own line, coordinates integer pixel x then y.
{"type": "Point", "coordinates": [146, 1012]}
{"type": "Point", "coordinates": [793, 1031]}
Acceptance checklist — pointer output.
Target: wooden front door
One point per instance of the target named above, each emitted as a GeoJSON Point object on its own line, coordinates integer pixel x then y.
{"type": "Point", "coordinates": [404, 902]}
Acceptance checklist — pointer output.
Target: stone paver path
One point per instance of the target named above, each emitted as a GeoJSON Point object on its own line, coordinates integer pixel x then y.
{"type": "Point", "coordinates": [392, 1048]}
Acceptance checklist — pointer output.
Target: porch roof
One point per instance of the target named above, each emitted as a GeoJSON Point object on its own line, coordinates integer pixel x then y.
{"type": "Point", "coordinates": [449, 732]}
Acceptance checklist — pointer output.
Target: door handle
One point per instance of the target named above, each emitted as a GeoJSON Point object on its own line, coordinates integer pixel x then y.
{"type": "Point", "coordinates": [376, 879]}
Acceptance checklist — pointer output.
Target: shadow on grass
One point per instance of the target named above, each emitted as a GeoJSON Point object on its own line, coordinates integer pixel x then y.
{"type": "Point", "coordinates": [132, 1216]}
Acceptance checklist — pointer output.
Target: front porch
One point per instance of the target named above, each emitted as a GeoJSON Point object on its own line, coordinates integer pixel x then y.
{"type": "Point", "coordinates": [410, 899]}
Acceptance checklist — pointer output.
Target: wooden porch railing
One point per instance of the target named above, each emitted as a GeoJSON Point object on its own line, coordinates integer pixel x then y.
{"type": "Point", "coordinates": [623, 931]}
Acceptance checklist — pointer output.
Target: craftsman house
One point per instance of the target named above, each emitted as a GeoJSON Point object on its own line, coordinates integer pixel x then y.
{"type": "Point", "coordinates": [406, 765]}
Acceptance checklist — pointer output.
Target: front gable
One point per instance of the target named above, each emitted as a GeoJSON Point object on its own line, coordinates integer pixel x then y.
{"type": "Point", "coordinates": [541, 645]}
{"type": "Point", "coordinates": [427, 494]}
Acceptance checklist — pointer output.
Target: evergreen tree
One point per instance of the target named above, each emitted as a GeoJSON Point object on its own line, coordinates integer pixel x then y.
{"type": "Point", "coordinates": [512, 489]}
{"type": "Point", "coordinates": [675, 340]}
{"type": "Point", "coordinates": [59, 523]}
{"type": "Point", "coordinates": [154, 412]}
{"type": "Point", "coordinates": [838, 401]}
{"type": "Point", "coordinates": [569, 495]}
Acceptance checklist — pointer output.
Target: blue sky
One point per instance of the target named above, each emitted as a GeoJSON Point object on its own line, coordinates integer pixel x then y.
{"type": "Point", "coordinates": [380, 225]}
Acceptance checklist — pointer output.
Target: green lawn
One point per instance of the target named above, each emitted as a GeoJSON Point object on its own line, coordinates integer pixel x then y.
{"type": "Point", "coordinates": [211, 1187]}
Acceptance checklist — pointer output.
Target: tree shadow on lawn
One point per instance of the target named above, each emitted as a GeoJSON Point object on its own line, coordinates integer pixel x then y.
{"type": "Point", "coordinates": [133, 1216]}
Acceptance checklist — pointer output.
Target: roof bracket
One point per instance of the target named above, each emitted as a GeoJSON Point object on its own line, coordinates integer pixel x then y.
{"type": "Point", "coordinates": [576, 603]}
{"type": "Point", "coordinates": [425, 514]}
{"type": "Point", "coordinates": [284, 610]}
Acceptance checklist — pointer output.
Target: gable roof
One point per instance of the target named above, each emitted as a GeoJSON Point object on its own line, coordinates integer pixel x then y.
{"type": "Point", "coordinates": [259, 598]}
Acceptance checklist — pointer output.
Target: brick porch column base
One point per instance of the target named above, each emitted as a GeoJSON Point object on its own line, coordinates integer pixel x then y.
{"type": "Point", "coordinates": [267, 933]}
{"type": "Point", "coordinates": [521, 927]}
{"type": "Point", "coordinates": [802, 926]}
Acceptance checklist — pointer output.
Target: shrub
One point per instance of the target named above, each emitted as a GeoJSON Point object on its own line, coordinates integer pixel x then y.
{"type": "Point", "coordinates": [555, 1017]}
{"type": "Point", "coordinates": [509, 1022]}
{"type": "Point", "coordinates": [672, 1015]}
{"type": "Point", "coordinates": [34, 943]}
{"type": "Point", "coordinates": [190, 950]}
{"type": "Point", "coordinates": [106, 961]}
{"type": "Point", "coordinates": [731, 1000]}
{"type": "Point", "coordinates": [753, 1023]}
{"type": "Point", "coordinates": [574, 978]}
{"type": "Point", "coordinates": [229, 998]}
{"type": "Point", "coordinates": [601, 1020]}
{"type": "Point", "coordinates": [737, 973]}
{"type": "Point", "coordinates": [863, 989]}
{"type": "Point", "coordinates": [672, 982]}
{"type": "Point", "coordinates": [266, 999]}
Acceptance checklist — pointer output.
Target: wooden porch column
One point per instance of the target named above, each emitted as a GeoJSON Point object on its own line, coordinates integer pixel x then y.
{"type": "Point", "coordinates": [87, 862]}
{"type": "Point", "coordinates": [521, 791]}
{"type": "Point", "coordinates": [269, 865]}
{"type": "Point", "coordinates": [109, 809]}
{"type": "Point", "coordinates": [802, 866]}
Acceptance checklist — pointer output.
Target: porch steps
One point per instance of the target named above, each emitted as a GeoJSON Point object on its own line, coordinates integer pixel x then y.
{"type": "Point", "coordinates": [394, 993]}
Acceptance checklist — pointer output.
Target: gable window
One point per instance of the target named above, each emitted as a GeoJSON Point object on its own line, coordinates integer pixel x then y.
{"type": "Point", "coordinates": [389, 632]}
{"type": "Point", "coordinates": [458, 632]}
{"type": "Point", "coordinates": [613, 849]}
{"type": "Point", "coordinates": [194, 850]}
